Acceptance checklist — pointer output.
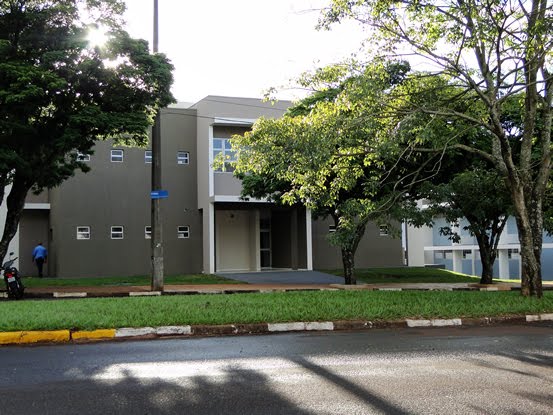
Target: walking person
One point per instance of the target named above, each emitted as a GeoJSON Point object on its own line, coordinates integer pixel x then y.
{"type": "Point", "coordinates": [40, 257]}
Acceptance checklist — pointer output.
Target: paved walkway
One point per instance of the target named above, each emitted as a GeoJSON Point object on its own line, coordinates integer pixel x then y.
{"type": "Point", "coordinates": [283, 277]}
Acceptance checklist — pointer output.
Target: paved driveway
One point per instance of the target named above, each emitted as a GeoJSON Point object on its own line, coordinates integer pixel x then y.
{"type": "Point", "coordinates": [283, 277]}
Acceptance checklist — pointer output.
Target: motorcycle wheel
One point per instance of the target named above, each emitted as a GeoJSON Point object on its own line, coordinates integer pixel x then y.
{"type": "Point", "coordinates": [15, 291]}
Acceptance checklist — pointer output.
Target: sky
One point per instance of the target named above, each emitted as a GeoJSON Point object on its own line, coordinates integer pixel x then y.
{"type": "Point", "coordinates": [241, 47]}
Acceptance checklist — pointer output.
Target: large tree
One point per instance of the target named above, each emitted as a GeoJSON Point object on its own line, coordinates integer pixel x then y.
{"type": "Point", "coordinates": [59, 93]}
{"type": "Point", "coordinates": [332, 153]}
{"type": "Point", "coordinates": [493, 50]}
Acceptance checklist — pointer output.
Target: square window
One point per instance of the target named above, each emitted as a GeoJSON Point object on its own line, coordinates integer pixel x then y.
{"type": "Point", "coordinates": [183, 232]}
{"type": "Point", "coordinates": [148, 156]}
{"type": "Point", "coordinates": [117, 156]}
{"type": "Point", "coordinates": [117, 232]}
{"type": "Point", "coordinates": [383, 230]}
{"type": "Point", "coordinates": [224, 147]}
{"type": "Point", "coordinates": [83, 232]}
{"type": "Point", "coordinates": [147, 232]}
{"type": "Point", "coordinates": [83, 157]}
{"type": "Point", "coordinates": [183, 157]}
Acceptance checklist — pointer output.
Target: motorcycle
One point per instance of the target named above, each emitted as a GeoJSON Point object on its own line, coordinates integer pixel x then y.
{"type": "Point", "coordinates": [12, 278]}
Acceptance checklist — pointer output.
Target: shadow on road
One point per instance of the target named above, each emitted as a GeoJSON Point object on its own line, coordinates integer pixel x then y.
{"type": "Point", "coordinates": [236, 392]}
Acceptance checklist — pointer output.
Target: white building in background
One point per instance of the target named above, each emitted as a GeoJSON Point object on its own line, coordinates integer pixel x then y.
{"type": "Point", "coordinates": [14, 244]}
{"type": "Point", "coordinates": [426, 246]}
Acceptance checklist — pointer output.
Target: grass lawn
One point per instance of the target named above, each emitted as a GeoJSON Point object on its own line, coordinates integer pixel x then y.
{"type": "Point", "coordinates": [408, 275]}
{"type": "Point", "coordinates": [96, 313]}
{"type": "Point", "coordinates": [136, 280]}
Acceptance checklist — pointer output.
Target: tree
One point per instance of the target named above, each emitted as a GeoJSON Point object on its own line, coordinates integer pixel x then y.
{"type": "Point", "coordinates": [493, 50]}
{"type": "Point", "coordinates": [463, 197]}
{"type": "Point", "coordinates": [331, 153]}
{"type": "Point", "coordinates": [58, 94]}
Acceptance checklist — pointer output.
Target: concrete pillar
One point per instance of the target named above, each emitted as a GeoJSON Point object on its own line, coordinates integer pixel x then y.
{"type": "Point", "coordinates": [503, 260]}
{"type": "Point", "coordinates": [458, 261]}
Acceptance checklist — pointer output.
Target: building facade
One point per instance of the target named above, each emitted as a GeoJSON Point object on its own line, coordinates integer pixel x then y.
{"type": "Point", "coordinates": [98, 223]}
{"type": "Point", "coordinates": [427, 246]}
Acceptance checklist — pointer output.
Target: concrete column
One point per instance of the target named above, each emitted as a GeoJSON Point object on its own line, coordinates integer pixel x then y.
{"type": "Point", "coordinates": [309, 239]}
{"type": "Point", "coordinates": [503, 259]}
{"type": "Point", "coordinates": [458, 261]}
{"type": "Point", "coordinates": [209, 239]}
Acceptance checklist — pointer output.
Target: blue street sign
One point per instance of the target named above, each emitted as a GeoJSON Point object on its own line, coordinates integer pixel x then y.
{"type": "Point", "coordinates": [159, 194]}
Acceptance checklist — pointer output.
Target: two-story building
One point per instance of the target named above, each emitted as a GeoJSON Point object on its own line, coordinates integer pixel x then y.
{"type": "Point", "coordinates": [98, 223]}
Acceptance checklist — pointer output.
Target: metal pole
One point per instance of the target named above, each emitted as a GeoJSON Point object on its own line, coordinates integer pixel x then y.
{"type": "Point", "coordinates": [157, 229]}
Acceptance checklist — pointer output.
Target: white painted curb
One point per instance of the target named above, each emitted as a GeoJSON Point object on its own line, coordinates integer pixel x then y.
{"type": "Point", "coordinates": [434, 323]}
{"type": "Point", "coordinates": [171, 330]}
{"type": "Point", "coordinates": [144, 293]}
{"type": "Point", "coordinates": [300, 326]}
{"type": "Point", "coordinates": [132, 332]}
{"type": "Point", "coordinates": [390, 289]}
{"type": "Point", "coordinates": [69, 295]}
{"type": "Point", "coordinates": [539, 317]}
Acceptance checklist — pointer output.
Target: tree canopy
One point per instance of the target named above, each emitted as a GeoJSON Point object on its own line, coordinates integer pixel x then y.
{"type": "Point", "coordinates": [59, 94]}
{"type": "Point", "coordinates": [493, 51]}
{"type": "Point", "coordinates": [332, 153]}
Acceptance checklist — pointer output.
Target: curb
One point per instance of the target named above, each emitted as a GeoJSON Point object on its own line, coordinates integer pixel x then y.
{"type": "Point", "coordinates": [130, 333]}
{"type": "Point", "coordinates": [332, 287]}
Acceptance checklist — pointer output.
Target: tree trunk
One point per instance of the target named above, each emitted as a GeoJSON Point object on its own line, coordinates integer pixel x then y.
{"type": "Point", "coordinates": [530, 226]}
{"type": "Point", "coordinates": [348, 260]}
{"type": "Point", "coordinates": [15, 203]}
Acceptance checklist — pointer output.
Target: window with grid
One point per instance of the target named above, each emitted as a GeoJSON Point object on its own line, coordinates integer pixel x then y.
{"type": "Point", "coordinates": [117, 232]}
{"type": "Point", "coordinates": [83, 232]}
{"type": "Point", "coordinates": [183, 157]}
{"type": "Point", "coordinates": [117, 156]}
{"type": "Point", "coordinates": [222, 148]}
{"type": "Point", "coordinates": [147, 232]}
{"type": "Point", "coordinates": [183, 232]}
{"type": "Point", "coordinates": [148, 156]}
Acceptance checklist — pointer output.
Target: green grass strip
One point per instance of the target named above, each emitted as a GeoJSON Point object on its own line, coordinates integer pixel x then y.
{"type": "Point", "coordinates": [94, 313]}
{"type": "Point", "coordinates": [193, 279]}
{"type": "Point", "coordinates": [409, 275]}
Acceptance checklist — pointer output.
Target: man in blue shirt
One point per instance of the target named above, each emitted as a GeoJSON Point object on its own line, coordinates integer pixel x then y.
{"type": "Point", "coordinates": [40, 256]}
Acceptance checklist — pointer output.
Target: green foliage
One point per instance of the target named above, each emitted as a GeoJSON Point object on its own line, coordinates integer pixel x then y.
{"type": "Point", "coordinates": [58, 94]}
{"type": "Point", "coordinates": [496, 54]}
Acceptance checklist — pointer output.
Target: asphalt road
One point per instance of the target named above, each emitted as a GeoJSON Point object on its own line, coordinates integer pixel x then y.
{"type": "Point", "coordinates": [497, 370]}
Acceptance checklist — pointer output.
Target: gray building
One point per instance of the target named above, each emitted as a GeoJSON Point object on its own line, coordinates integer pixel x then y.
{"type": "Point", "coordinates": [98, 223]}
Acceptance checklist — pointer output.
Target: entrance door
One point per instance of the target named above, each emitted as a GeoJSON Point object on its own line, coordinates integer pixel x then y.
{"type": "Point", "coordinates": [265, 242]}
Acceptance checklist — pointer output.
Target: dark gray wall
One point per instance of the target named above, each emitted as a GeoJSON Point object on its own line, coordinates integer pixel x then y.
{"type": "Point", "coordinates": [33, 228]}
{"type": "Point", "coordinates": [118, 194]}
{"type": "Point", "coordinates": [374, 250]}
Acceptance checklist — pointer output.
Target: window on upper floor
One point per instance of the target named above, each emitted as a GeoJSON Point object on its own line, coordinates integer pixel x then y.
{"type": "Point", "coordinates": [117, 156]}
{"type": "Point", "coordinates": [383, 230]}
{"type": "Point", "coordinates": [148, 156]}
{"type": "Point", "coordinates": [147, 232]}
{"type": "Point", "coordinates": [83, 232]}
{"type": "Point", "coordinates": [222, 148]}
{"type": "Point", "coordinates": [183, 232]}
{"type": "Point", "coordinates": [83, 157]}
{"type": "Point", "coordinates": [117, 232]}
{"type": "Point", "coordinates": [331, 228]}
{"type": "Point", "coordinates": [183, 157]}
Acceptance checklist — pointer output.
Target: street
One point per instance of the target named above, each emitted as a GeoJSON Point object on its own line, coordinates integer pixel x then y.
{"type": "Point", "coordinates": [486, 370]}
